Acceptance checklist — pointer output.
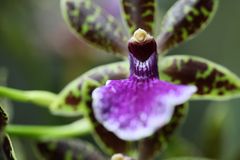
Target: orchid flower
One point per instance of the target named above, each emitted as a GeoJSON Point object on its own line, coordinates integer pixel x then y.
{"type": "Point", "coordinates": [137, 107]}
{"type": "Point", "coordinates": [142, 100]}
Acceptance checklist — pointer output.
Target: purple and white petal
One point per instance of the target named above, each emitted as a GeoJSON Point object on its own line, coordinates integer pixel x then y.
{"type": "Point", "coordinates": [134, 109]}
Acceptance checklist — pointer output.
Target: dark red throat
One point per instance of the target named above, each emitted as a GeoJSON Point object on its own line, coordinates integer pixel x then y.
{"type": "Point", "coordinates": [142, 50]}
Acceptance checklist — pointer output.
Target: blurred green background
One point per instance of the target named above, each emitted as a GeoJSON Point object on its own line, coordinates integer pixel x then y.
{"type": "Point", "coordinates": [39, 52]}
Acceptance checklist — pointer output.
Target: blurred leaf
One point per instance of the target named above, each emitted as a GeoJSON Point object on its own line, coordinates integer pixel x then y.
{"type": "Point", "coordinates": [183, 20]}
{"type": "Point", "coordinates": [20, 48]}
{"type": "Point", "coordinates": [139, 14]}
{"type": "Point", "coordinates": [73, 99]}
{"type": "Point", "coordinates": [230, 145]}
{"type": "Point", "coordinates": [214, 82]}
{"type": "Point", "coordinates": [179, 147]}
{"type": "Point", "coordinates": [213, 126]}
{"type": "Point", "coordinates": [68, 149]}
{"type": "Point", "coordinates": [91, 22]}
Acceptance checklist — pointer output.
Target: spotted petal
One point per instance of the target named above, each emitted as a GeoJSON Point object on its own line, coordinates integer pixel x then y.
{"type": "Point", "coordinates": [183, 20]}
{"type": "Point", "coordinates": [74, 97]}
{"type": "Point", "coordinates": [139, 14]}
{"type": "Point", "coordinates": [136, 109]}
{"type": "Point", "coordinates": [90, 21]}
{"type": "Point", "coordinates": [214, 82]}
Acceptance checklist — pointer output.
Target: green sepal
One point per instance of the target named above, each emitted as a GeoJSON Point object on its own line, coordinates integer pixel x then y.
{"type": "Point", "coordinates": [91, 22]}
{"type": "Point", "coordinates": [214, 82]}
{"type": "Point", "coordinates": [183, 20]}
{"type": "Point", "coordinates": [81, 89]}
{"type": "Point", "coordinates": [68, 150]}
{"type": "Point", "coordinates": [150, 147]}
{"type": "Point", "coordinates": [139, 14]}
{"type": "Point", "coordinates": [74, 98]}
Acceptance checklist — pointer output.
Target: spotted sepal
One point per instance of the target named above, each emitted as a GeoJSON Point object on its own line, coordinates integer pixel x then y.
{"type": "Point", "coordinates": [92, 23]}
{"type": "Point", "coordinates": [214, 82]}
{"type": "Point", "coordinates": [150, 147]}
{"type": "Point", "coordinates": [73, 98]}
{"type": "Point", "coordinates": [68, 150]}
{"type": "Point", "coordinates": [108, 141]}
{"type": "Point", "coordinates": [184, 20]}
{"type": "Point", "coordinates": [139, 14]}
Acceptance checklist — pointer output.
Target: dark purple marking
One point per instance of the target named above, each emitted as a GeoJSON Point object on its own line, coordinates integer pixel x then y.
{"type": "Point", "coordinates": [72, 100]}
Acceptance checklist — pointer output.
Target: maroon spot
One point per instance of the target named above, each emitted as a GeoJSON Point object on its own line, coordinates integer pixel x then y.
{"type": "Point", "coordinates": [72, 100]}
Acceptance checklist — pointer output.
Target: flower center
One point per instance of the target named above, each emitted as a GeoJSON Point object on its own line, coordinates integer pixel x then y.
{"type": "Point", "coordinates": [143, 55]}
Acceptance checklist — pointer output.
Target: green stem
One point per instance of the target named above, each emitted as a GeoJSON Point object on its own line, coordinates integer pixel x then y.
{"type": "Point", "coordinates": [78, 128]}
{"type": "Point", "coordinates": [42, 98]}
